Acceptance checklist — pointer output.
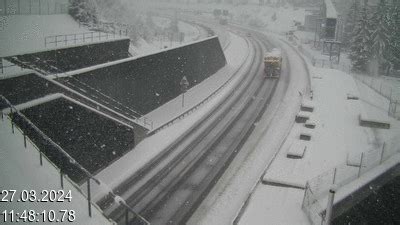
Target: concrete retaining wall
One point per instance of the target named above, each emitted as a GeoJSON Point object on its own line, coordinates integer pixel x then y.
{"type": "Point", "coordinates": [145, 83]}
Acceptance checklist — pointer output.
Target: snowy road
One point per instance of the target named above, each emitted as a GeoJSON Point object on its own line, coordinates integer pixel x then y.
{"type": "Point", "coordinates": [181, 178]}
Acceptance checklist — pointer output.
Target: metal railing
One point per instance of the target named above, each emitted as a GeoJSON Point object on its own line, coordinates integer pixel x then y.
{"type": "Point", "coordinates": [9, 67]}
{"type": "Point", "coordinates": [13, 110]}
{"type": "Point", "coordinates": [79, 38]}
{"type": "Point", "coordinates": [318, 187]}
{"type": "Point", "coordinates": [140, 119]}
{"type": "Point", "coordinates": [33, 7]}
{"type": "Point", "coordinates": [373, 82]}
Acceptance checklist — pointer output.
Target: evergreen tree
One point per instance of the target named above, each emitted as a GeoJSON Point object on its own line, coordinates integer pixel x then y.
{"type": "Point", "coordinates": [351, 22]}
{"type": "Point", "coordinates": [393, 52]}
{"type": "Point", "coordinates": [83, 11]}
{"type": "Point", "coordinates": [380, 36]}
{"type": "Point", "coordinates": [360, 47]}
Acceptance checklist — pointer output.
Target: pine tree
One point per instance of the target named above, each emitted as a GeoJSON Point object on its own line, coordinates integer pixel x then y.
{"type": "Point", "coordinates": [351, 22]}
{"type": "Point", "coordinates": [393, 53]}
{"type": "Point", "coordinates": [380, 36]}
{"type": "Point", "coordinates": [360, 47]}
{"type": "Point", "coordinates": [83, 11]}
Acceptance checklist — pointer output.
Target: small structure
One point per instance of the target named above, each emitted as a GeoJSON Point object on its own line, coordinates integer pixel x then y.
{"type": "Point", "coordinates": [296, 150]}
{"type": "Point", "coordinates": [302, 117]}
{"type": "Point", "coordinates": [307, 105]}
{"type": "Point", "coordinates": [352, 97]}
{"type": "Point", "coordinates": [306, 136]}
{"type": "Point", "coordinates": [366, 121]}
{"type": "Point", "coordinates": [310, 124]}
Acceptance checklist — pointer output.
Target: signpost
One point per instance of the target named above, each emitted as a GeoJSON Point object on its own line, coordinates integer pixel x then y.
{"type": "Point", "coordinates": [184, 86]}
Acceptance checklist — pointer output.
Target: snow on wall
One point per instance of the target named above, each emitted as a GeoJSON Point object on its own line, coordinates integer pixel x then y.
{"type": "Point", "coordinates": [147, 82]}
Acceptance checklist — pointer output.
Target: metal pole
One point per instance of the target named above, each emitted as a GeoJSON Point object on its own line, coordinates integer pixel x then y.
{"type": "Point", "coordinates": [183, 99]}
{"type": "Point", "coordinates": [40, 8]}
{"type": "Point", "coordinates": [305, 195]}
{"type": "Point", "coordinates": [334, 176]}
{"type": "Point", "coordinates": [329, 207]}
{"type": "Point", "coordinates": [62, 179]}
{"type": "Point", "coordinates": [361, 161]}
{"type": "Point", "coordinates": [383, 150]}
{"type": "Point", "coordinates": [41, 158]}
{"type": "Point", "coordinates": [89, 198]}
{"type": "Point", "coordinates": [24, 140]}
{"type": "Point", "coordinates": [5, 7]}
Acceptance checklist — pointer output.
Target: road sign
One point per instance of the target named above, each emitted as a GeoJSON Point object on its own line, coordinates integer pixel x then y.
{"type": "Point", "coordinates": [184, 84]}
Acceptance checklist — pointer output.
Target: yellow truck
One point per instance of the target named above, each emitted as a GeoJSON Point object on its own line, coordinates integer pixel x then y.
{"type": "Point", "coordinates": [273, 63]}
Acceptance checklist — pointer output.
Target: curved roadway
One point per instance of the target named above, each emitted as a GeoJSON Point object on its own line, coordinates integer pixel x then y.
{"type": "Point", "coordinates": [170, 188]}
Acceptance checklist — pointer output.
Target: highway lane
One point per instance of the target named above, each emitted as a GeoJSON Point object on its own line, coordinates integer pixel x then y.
{"type": "Point", "coordinates": [182, 183]}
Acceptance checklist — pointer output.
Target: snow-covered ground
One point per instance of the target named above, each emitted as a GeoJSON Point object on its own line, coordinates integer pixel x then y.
{"type": "Point", "coordinates": [190, 32]}
{"type": "Point", "coordinates": [26, 33]}
{"type": "Point", "coordinates": [336, 137]}
{"type": "Point", "coordinates": [21, 170]}
{"type": "Point", "coordinates": [249, 14]}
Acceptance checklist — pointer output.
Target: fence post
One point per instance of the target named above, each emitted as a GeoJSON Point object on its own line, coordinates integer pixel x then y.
{"type": "Point", "coordinates": [383, 150]}
{"type": "Point", "coordinates": [40, 157]}
{"type": "Point", "coordinates": [361, 161]}
{"type": "Point", "coordinates": [89, 198]}
{"type": "Point", "coordinates": [24, 139]}
{"type": "Point", "coordinates": [62, 179]}
{"type": "Point", "coordinates": [305, 195]}
{"type": "Point", "coordinates": [334, 176]}
{"type": "Point", "coordinates": [329, 207]}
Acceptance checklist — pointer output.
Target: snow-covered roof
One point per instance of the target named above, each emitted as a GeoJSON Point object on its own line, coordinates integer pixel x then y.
{"type": "Point", "coordinates": [274, 53]}
{"type": "Point", "coordinates": [330, 10]}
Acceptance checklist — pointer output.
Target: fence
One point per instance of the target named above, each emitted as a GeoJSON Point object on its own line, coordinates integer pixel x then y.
{"type": "Point", "coordinates": [8, 67]}
{"type": "Point", "coordinates": [33, 7]}
{"type": "Point", "coordinates": [318, 187]}
{"type": "Point", "coordinates": [129, 212]}
{"type": "Point", "coordinates": [73, 39]}
{"type": "Point", "coordinates": [375, 84]}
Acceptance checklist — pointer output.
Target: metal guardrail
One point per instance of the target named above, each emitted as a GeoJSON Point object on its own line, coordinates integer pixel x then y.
{"type": "Point", "coordinates": [77, 38]}
{"type": "Point", "coordinates": [318, 187]}
{"type": "Point", "coordinates": [71, 160]}
{"type": "Point", "coordinates": [370, 81]}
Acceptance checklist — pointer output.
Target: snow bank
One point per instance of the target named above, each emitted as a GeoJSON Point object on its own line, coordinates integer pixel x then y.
{"type": "Point", "coordinates": [26, 33]}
